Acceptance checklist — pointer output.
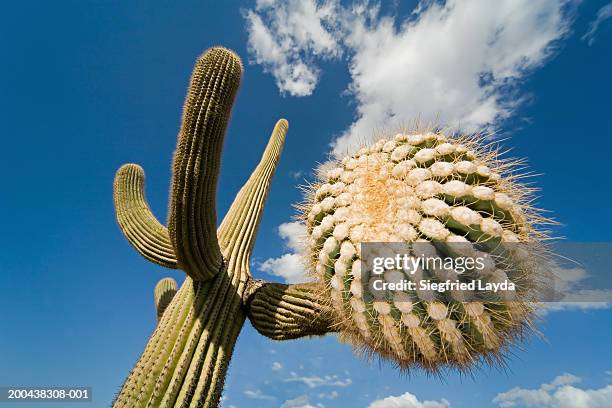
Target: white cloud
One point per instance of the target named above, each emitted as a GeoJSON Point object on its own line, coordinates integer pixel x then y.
{"type": "Point", "coordinates": [296, 175]}
{"type": "Point", "coordinates": [292, 32]}
{"type": "Point", "coordinates": [603, 14]}
{"type": "Point", "coordinates": [455, 63]}
{"type": "Point", "coordinates": [560, 393]}
{"type": "Point", "coordinates": [567, 286]}
{"type": "Point", "coordinates": [569, 305]}
{"type": "Point", "coordinates": [294, 234]}
{"type": "Point", "coordinates": [332, 395]}
{"type": "Point", "coordinates": [316, 381]}
{"type": "Point", "coordinates": [276, 366]}
{"type": "Point", "coordinates": [300, 402]}
{"type": "Point", "coordinates": [408, 400]}
{"type": "Point", "coordinates": [257, 394]}
{"type": "Point", "coordinates": [290, 266]}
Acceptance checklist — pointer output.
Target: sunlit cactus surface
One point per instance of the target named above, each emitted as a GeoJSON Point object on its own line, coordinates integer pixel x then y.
{"type": "Point", "coordinates": [440, 196]}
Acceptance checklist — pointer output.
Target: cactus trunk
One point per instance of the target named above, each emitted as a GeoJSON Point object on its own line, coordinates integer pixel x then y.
{"type": "Point", "coordinates": [186, 358]}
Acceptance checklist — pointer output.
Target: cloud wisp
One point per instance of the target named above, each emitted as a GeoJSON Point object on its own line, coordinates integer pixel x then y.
{"type": "Point", "coordinates": [603, 14]}
{"type": "Point", "coordinates": [257, 394]}
{"type": "Point", "coordinates": [316, 381]}
{"type": "Point", "coordinates": [568, 283]}
{"type": "Point", "coordinates": [300, 402]}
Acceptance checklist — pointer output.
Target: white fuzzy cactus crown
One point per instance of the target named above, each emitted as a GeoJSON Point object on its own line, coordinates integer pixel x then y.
{"type": "Point", "coordinates": [438, 190]}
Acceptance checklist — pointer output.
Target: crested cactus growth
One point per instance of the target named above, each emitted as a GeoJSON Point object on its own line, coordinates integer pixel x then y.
{"type": "Point", "coordinates": [415, 188]}
{"type": "Point", "coordinates": [441, 195]}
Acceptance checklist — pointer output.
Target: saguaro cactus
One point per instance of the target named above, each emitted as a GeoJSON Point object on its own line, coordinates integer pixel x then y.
{"type": "Point", "coordinates": [186, 358]}
{"type": "Point", "coordinates": [185, 361]}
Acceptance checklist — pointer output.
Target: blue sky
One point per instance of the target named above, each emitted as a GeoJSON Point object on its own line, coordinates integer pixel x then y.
{"type": "Point", "coordinates": [86, 86]}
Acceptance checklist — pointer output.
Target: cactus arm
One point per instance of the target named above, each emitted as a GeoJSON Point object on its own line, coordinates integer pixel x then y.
{"type": "Point", "coordinates": [284, 312]}
{"type": "Point", "coordinates": [164, 293]}
{"type": "Point", "coordinates": [192, 220]}
{"type": "Point", "coordinates": [248, 205]}
{"type": "Point", "coordinates": [137, 222]}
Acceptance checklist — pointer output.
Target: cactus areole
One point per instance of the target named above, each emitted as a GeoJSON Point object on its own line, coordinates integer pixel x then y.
{"type": "Point", "coordinates": [420, 187]}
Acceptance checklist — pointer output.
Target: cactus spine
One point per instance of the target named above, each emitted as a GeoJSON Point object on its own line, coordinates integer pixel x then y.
{"type": "Point", "coordinates": [429, 179]}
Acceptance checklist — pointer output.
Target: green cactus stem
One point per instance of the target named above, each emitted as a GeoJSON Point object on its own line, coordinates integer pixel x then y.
{"type": "Point", "coordinates": [185, 361]}
{"type": "Point", "coordinates": [285, 312]}
{"type": "Point", "coordinates": [139, 225]}
{"type": "Point", "coordinates": [192, 223]}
